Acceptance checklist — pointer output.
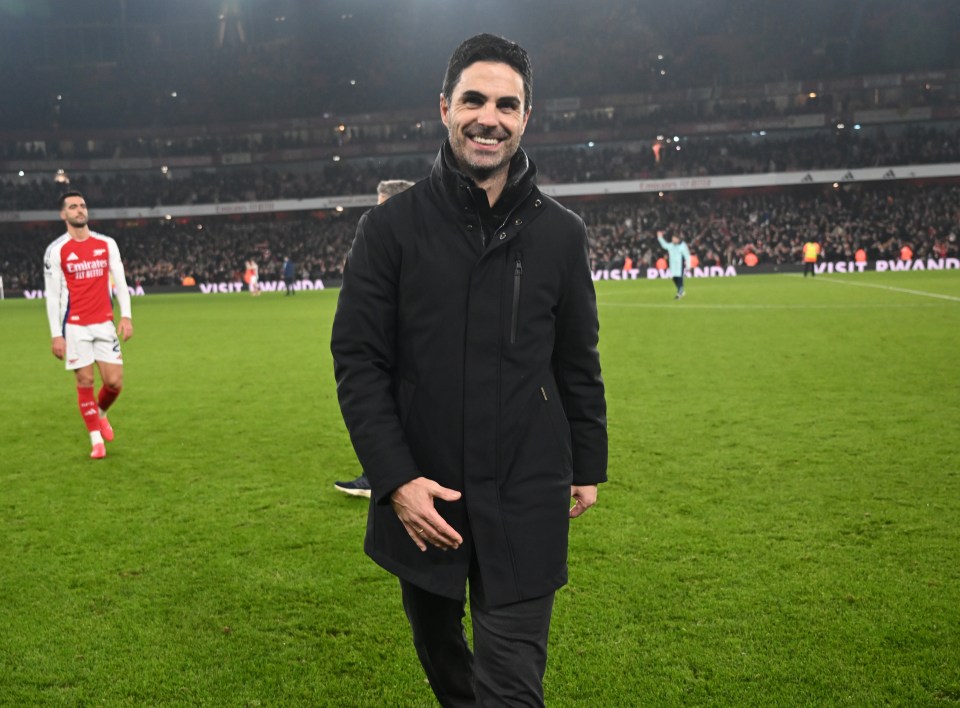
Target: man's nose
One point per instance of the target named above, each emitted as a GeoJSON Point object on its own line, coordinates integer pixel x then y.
{"type": "Point", "coordinates": [488, 114]}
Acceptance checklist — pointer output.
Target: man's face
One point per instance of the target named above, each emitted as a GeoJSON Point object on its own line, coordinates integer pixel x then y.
{"type": "Point", "coordinates": [675, 238]}
{"type": "Point", "coordinates": [74, 211]}
{"type": "Point", "coordinates": [485, 117]}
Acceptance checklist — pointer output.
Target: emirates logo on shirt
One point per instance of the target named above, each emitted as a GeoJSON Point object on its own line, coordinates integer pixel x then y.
{"type": "Point", "coordinates": [87, 269]}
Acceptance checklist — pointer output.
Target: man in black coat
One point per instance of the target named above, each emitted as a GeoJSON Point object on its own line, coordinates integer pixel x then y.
{"type": "Point", "coordinates": [465, 353]}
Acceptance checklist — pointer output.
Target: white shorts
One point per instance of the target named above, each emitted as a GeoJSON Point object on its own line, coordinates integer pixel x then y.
{"type": "Point", "coordinates": [89, 343]}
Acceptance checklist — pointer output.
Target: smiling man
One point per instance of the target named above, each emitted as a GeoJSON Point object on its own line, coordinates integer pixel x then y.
{"type": "Point", "coordinates": [465, 353]}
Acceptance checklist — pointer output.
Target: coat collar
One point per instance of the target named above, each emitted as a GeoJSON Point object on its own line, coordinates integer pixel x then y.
{"type": "Point", "coordinates": [459, 187]}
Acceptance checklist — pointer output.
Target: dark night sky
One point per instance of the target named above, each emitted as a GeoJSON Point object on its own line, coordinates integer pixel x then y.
{"type": "Point", "coordinates": [398, 48]}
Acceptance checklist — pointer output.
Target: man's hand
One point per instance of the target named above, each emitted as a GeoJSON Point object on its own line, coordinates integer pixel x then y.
{"type": "Point", "coordinates": [661, 234]}
{"type": "Point", "coordinates": [413, 503]}
{"type": "Point", "coordinates": [125, 329]}
{"type": "Point", "coordinates": [584, 497]}
{"type": "Point", "coordinates": [58, 345]}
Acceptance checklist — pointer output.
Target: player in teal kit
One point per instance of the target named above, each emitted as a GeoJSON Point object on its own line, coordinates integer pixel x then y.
{"type": "Point", "coordinates": [679, 256]}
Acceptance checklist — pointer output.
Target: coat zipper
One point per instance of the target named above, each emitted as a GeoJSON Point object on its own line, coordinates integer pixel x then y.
{"type": "Point", "coordinates": [515, 320]}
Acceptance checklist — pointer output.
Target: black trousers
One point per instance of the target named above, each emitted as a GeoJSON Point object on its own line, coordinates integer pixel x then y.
{"type": "Point", "coordinates": [509, 658]}
{"type": "Point", "coordinates": [809, 267]}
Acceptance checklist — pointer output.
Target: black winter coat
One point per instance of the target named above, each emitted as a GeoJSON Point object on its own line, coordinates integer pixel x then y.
{"type": "Point", "coordinates": [475, 366]}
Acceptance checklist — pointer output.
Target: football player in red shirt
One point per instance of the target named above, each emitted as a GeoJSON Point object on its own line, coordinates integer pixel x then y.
{"type": "Point", "coordinates": [77, 271]}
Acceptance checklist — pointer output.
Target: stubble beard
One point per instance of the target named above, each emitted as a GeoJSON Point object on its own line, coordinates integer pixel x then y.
{"type": "Point", "coordinates": [479, 172]}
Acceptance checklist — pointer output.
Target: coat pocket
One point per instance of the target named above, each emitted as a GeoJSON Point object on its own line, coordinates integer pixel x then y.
{"type": "Point", "coordinates": [515, 308]}
{"type": "Point", "coordinates": [558, 422]}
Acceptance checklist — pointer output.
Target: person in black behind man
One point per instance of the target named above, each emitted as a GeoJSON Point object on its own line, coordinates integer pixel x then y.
{"type": "Point", "coordinates": [360, 486]}
{"type": "Point", "coordinates": [465, 354]}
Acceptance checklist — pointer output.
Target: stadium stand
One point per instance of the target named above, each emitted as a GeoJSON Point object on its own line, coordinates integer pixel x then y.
{"type": "Point", "coordinates": [149, 112]}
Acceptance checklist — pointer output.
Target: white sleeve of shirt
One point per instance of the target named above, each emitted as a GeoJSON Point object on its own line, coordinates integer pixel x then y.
{"type": "Point", "coordinates": [119, 278]}
{"type": "Point", "coordinates": [55, 288]}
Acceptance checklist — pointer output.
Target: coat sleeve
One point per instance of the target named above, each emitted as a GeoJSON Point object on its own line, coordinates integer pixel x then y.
{"type": "Point", "coordinates": [576, 363]}
{"type": "Point", "coordinates": [364, 350]}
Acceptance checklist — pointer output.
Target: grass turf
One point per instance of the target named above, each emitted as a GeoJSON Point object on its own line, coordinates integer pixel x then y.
{"type": "Point", "coordinates": [782, 524]}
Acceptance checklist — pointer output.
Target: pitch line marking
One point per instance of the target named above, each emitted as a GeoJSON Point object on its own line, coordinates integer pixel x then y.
{"type": "Point", "coordinates": [691, 306]}
{"type": "Point", "coordinates": [908, 291]}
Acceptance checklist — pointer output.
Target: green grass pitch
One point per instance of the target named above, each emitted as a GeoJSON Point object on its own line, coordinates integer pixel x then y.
{"type": "Point", "coordinates": [781, 526]}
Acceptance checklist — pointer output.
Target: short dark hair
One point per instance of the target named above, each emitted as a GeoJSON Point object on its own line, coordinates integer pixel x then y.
{"type": "Point", "coordinates": [489, 47]}
{"type": "Point", "coordinates": [66, 195]}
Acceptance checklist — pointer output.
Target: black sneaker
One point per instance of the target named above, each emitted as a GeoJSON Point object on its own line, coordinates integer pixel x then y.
{"type": "Point", "coordinates": [359, 487]}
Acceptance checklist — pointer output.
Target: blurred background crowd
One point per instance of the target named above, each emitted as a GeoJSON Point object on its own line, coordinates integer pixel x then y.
{"type": "Point", "coordinates": [193, 103]}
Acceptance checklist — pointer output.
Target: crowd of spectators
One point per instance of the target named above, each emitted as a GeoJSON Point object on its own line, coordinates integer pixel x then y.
{"type": "Point", "coordinates": [720, 230]}
{"type": "Point", "coordinates": [222, 186]}
{"type": "Point", "coordinates": [695, 156]}
{"type": "Point", "coordinates": [385, 134]}
{"type": "Point", "coordinates": [880, 219]}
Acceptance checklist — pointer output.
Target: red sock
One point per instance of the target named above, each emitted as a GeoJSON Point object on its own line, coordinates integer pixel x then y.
{"type": "Point", "coordinates": [88, 408]}
{"type": "Point", "coordinates": [107, 396]}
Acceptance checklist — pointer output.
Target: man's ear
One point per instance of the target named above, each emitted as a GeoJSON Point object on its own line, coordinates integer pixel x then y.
{"type": "Point", "coordinates": [444, 110]}
{"type": "Point", "coordinates": [526, 117]}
